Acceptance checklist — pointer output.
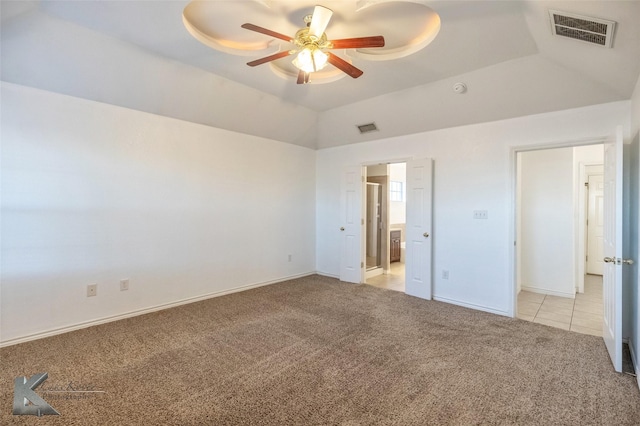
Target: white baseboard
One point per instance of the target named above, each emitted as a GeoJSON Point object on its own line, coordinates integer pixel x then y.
{"type": "Point", "coordinates": [326, 274]}
{"type": "Point", "coordinates": [549, 292]}
{"type": "Point", "coordinates": [634, 361]}
{"type": "Point", "coordinates": [472, 306]}
{"type": "Point", "coordinates": [104, 320]}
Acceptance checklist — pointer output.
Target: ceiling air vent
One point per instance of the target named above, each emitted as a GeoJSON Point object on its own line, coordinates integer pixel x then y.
{"type": "Point", "coordinates": [583, 28]}
{"type": "Point", "coordinates": [366, 128]}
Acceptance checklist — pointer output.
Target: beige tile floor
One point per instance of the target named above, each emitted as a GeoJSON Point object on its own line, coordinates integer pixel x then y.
{"type": "Point", "coordinates": [582, 314]}
{"type": "Point", "coordinates": [392, 281]}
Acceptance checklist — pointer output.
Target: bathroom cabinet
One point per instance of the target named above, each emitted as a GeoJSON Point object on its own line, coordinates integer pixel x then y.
{"type": "Point", "coordinates": [396, 242]}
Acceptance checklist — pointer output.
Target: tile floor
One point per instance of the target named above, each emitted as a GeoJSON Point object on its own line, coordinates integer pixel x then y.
{"type": "Point", "coordinates": [582, 314]}
{"type": "Point", "coordinates": [392, 281]}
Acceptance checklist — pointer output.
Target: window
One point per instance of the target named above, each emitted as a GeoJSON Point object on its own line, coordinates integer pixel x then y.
{"type": "Point", "coordinates": [396, 191]}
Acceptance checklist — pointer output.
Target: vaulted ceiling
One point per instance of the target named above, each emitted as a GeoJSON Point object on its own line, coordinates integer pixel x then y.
{"type": "Point", "coordinates": [139, 54]}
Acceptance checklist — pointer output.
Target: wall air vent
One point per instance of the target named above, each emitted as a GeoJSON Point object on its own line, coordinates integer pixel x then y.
{"type": "Point", "coordinates": [366, 128]}
{"type": "Point", "coordinates": [583, 28]}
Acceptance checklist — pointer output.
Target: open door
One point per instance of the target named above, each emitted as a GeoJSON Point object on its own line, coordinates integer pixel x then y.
{"type": "Point", "coordinates": [418, 228]}
{"type": "Point", "coordinates": [351, 208]}
{"type": "Point", "coordinates": [612, 272]}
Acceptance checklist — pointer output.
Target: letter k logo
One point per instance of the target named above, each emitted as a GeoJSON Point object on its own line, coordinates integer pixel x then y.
{"type": "Point", "coordinates": [23, 393]}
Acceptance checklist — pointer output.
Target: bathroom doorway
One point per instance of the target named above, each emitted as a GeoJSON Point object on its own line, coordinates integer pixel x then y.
{"type": "Point", "coordinates": [385, 226]}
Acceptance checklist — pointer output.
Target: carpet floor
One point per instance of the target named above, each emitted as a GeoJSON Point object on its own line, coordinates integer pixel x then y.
{"type": "Point", "coordinates": [315, 351]}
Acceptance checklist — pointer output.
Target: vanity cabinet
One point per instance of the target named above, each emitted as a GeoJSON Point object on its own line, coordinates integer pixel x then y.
{"type": "Point", "coordinates": [394, 253]}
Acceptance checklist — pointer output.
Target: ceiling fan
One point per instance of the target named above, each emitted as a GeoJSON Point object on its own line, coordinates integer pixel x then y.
{"type": "Point", "coordinates": [312, 45]}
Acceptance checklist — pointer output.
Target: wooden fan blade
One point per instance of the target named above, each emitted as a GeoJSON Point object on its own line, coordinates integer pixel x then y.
{"type": "Point", "coordinates": [270, 58]}
{"type": "Point", "coordinates": [359, 42]}
{"type": "Point", "coordinates": [343, 65]}
{"type": "Point", "coordinates": [301, 77]}
{"type": "Point", "coordinates": [319, 20]}
{"type": "Point", "coordinates": [261, 30]}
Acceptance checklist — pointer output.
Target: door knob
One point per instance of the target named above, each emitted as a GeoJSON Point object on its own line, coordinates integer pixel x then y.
{"type": "Point", "coordinates": [342, 228]}
{"type": "Point", "coordinates": [627, 261]}
{"type": "Point", "coordinates": [426, 235]}
{"type": "Point", "coordinates": [609, 260]}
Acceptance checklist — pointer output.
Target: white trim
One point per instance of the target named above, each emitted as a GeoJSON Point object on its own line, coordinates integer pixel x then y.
{"type": "Point", "coordinates": [634, 361]}
{"type": "Point", "coordinates": [549, 292]}
{"type": "Point", "coordinates": [104, 320]}
{"type": "Point", "coordinates": [472, 306]}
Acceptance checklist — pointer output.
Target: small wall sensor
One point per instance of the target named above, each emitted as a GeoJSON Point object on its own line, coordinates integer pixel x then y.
{"type": "Point", "coordinates": [459, 88]}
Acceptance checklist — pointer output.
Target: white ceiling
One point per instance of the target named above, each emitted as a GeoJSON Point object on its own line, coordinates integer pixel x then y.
{"type": "Point", "coordinates": [139, 55]}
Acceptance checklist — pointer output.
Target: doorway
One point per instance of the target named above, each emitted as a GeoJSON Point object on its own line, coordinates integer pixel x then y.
{"type": "Point", "coordinates": [386, 225]}
{"type": "Point", "coordinates": [556, 236]}
{"type": "Point", "coordinates": [418, 224]}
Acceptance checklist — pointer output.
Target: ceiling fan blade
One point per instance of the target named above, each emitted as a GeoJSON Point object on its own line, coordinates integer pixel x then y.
{"type": "Point", "coordinates": [343, 65]}
{"type": "Point", "coordinates": [359, 42]}
{"type": "Point", "coordinates": [270, 58]}
{"type": "Point", "coordinates": [261, 30]}
{"type": "Point", "coordinates": [301, 77]}
{"type": "Point", "coordinates": [320, 20]}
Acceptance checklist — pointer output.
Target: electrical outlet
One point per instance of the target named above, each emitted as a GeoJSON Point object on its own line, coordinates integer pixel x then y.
{"type": "Point", "coordinates": [124, 285]}
{"type": "Point", "coordinates": [480, 214]}
{"type": "Point", "coordinates": [92, 290]}
{"type": "Point", "coordinates": [445, 274]}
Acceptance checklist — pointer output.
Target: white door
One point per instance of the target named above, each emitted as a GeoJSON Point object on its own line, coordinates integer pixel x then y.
{"type": "Point", "coordinates": [418, 228]}
{"type": "Point", "coordinates": [612, 278]}
{"type": "Point", "coordinates": [595, 225]}
{"type": "Point", "coordinates": [351, 208]}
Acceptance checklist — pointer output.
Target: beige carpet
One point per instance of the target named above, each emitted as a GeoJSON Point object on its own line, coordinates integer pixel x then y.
{"type": "Point", "coordinates": [315, 351]}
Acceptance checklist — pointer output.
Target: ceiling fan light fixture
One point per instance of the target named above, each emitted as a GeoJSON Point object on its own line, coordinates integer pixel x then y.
{"type": "Point", "coordinates": [310, 59]}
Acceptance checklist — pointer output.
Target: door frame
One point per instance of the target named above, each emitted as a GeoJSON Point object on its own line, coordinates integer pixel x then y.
{"type": "Point", "coordinates": [583, 214]}
{"type": "Point", "coordinates": [513, 191]}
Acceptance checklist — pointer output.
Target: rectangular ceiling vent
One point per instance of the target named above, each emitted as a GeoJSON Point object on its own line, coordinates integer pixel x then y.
{"type": "Point", "coordinates": [583, 28]}
{"type": "Point", "coordinates": [366, 128]}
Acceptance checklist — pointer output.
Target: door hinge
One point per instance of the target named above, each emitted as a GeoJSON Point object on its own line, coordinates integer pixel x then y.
{"type": "Point", "coordinates": [586, 258]}
{"type": "Point", "coordinates": [361, 264]}
{"type": "Point", "coordinates": [361, 221]}
{"type": "Point", "coordinates": [586, 184]}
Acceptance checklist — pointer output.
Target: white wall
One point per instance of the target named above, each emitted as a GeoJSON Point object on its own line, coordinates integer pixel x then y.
{"type": "Point", "coordinates": [547, 222]}
{"type": "Point", "coordinates": [473, 170]}
{"type": "Point", "coordinates": [94, 193]}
